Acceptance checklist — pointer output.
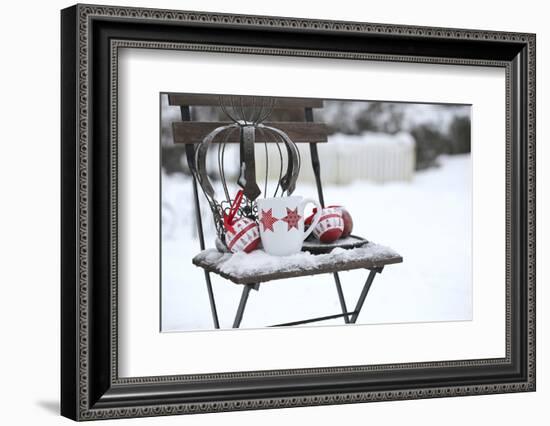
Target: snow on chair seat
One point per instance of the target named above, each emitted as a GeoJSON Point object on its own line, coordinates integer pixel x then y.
{"type": "Point", "coordinates": [256, 267]}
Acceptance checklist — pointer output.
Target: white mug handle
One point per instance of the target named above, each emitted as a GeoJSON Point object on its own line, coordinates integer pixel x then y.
{"type": "Point", "coordinates": [315, 219]}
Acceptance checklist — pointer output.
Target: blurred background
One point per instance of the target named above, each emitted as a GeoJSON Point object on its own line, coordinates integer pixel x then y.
{"type": "Point", "coordinates": [435, 128]}
{"type": "Point", "coordinates": [403, 170]}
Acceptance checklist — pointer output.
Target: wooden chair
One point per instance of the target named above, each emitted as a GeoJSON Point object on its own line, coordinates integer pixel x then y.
{"type": "Point", "coordinates": [190, 133]}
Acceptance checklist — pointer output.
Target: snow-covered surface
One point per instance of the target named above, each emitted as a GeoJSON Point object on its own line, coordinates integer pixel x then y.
{"type": "Point", "coordinates": [427, 221]}
{"type": "Point", "coordinates": [243, 265]}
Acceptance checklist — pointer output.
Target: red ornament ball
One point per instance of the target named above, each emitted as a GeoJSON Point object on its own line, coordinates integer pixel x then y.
{"type": "Point", "coordinates": [330, 225]}
{"type": "Point", "coordinates": [348, 222]}
{"type": "Point", "coordinates": [242, 236]}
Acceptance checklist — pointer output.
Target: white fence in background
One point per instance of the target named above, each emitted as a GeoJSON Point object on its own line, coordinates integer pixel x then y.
{"type": "Point", "coordinates": [377, 157]}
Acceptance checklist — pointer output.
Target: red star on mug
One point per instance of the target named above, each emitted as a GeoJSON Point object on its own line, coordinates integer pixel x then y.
{"type": "Point", "coordinates": [267, 220]}
{"type": "Point", "coordinates": [292, 218]}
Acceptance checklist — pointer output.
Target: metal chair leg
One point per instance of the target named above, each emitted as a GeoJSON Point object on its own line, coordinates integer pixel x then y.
{"type": "Point", "coordinates": [211, 299]}
{"type": "Point", "coordinates": [206, 273]}
{"type": "Point", "coordinates": [341, 297]}
{"type": "Point", "coordinates": [190, 153]}
{"type": "Point", "coordinates": [242, 303]}
{"type": "Point", "coordinates": [364, 293]}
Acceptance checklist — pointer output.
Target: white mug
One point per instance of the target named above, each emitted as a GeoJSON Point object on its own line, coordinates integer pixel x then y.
{"type": "Point", "coordinates": [282, 224]}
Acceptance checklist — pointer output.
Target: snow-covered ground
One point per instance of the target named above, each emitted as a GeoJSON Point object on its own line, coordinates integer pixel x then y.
{"type": "Point", "coordinates": [426, 220]}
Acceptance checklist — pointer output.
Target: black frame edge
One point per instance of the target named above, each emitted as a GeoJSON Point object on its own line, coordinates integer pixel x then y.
{"type": "Point", "coordinates": [69, 319]}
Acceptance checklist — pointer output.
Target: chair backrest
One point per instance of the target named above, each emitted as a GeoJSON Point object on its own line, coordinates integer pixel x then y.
{"type": "Point", "coordinates": [192, 132]}
{"type": "Point", "coordinates": [189, 133]}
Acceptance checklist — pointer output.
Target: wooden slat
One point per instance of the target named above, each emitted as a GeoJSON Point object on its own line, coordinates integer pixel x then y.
{"type": "Point", "coordinates": [247, 101]}
{"type": "Point", "coordinates": [194, 132]}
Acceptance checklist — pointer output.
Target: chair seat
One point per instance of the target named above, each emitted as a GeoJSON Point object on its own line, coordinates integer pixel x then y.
{"type": "Point", "coordinates": [258, 266]}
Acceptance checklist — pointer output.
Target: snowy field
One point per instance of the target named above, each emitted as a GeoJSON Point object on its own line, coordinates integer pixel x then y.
{"type": "Point", "coordinates": [427, 221]}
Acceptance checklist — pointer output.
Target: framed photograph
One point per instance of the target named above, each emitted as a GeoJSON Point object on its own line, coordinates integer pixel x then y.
{"type": "Point", "coordinates": [263, 212]}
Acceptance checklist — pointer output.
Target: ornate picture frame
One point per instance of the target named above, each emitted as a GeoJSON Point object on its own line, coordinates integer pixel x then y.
{"type": "Point", "coordinates": [90, 39]}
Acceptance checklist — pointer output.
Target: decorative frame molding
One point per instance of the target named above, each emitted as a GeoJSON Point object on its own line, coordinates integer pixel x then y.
{"type": "Point", "coordinates": [91, 388]}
